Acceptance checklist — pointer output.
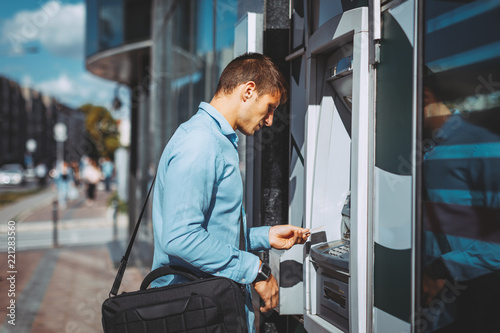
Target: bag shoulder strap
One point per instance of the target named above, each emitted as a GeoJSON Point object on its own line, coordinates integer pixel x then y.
{"type": "Point", "coordinates": [124, 260]}
{"type": "Point", "coordinates": [242, 246]}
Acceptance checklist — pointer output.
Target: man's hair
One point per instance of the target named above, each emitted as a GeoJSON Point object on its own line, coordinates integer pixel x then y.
{"type": "Point", "coordinates": [254, 67]}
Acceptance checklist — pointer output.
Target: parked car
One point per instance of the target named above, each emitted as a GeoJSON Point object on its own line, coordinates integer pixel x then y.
{"type": "Point", "coordinates": [11, 174]}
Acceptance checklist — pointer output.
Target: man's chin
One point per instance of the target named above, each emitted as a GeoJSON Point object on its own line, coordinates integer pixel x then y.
{"type": "Point", "coordinates": [246, 133]}
{"type": "Point", "coordinates": [250, 132]}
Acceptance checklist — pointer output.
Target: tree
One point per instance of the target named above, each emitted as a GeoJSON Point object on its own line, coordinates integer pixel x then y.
{"type": "Point", "coordinates": [102, 131]}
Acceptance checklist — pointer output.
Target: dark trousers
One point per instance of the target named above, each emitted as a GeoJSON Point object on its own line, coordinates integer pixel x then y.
{"type": "Point", "coordinates": [91, 191]}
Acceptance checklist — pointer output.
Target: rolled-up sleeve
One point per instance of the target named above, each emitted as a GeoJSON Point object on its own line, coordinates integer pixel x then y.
{"type": "Point", "coordinates": [258, 238]}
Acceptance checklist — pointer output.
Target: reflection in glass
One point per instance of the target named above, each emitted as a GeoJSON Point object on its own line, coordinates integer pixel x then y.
{"type": "Point", "coordinates": [298, 24]}
{"type": "Point", "coordinates": [110, 24]}
{"type": "Point", "coordinates": [91, 41]}
{"type": "Point", "coordinates": [461, 168]}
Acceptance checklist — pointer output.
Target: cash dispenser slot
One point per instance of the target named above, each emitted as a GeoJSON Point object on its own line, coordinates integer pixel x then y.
{"type": "Point", "coordinates": [332, 292]}
{"type": "Point", "coordinates": [331, 261]}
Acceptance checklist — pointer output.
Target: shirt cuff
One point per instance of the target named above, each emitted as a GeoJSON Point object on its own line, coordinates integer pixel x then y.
{"type": "Point", "coordinates": [259, 238]}
{"type": "Point", "coordinates": [248, 270]}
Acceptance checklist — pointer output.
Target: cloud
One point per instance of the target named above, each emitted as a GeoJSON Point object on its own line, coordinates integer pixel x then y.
{"type": "Point", "coordinates": [26, 81]}
{"type": "Point", "coordinates": [85, 88]}
{"type": "Point", "coordinates": [58, 27]}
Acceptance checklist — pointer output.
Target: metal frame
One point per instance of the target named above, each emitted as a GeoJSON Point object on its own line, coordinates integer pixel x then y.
{"type": "Point", "coordinates": [417, 171]}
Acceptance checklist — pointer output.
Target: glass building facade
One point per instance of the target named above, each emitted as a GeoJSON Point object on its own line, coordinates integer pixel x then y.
{"type": "Point", "coordinates": [192, 42]}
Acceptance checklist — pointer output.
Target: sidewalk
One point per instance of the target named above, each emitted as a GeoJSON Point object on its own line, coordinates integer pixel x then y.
{"type": "Point", "coordinates": [21, 208]}
{"type": "Point", "coordinates": [60, 289]}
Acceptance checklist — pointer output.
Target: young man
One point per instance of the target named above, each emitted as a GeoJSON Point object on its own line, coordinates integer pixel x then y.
{"type": "Point", "coordinates": [198, 195]}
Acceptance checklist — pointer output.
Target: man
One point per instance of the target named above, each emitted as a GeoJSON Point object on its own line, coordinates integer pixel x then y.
{"type": "Point", "coordinates": [461, 240]}
{"type": "Point", "coordinates": [198, 195]}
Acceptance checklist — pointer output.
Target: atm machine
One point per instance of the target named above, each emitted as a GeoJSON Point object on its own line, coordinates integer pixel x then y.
{"type": "Point", "coordinates": [337, 170]}
{"type": "Point", "coordinates": [331, 182]}
{"type": "Point", "coordinates": [332, 293]}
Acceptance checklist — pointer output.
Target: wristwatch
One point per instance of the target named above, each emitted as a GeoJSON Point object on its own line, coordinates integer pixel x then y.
{"type": "Point", "coordinates": [264, 273]}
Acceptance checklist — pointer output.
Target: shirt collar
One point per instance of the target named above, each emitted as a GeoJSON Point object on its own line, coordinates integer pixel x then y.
{"type": "Point", "coordinates": [224, 126]}
{"type": "Point", "coordinates": [449, 126]}
{"type": "Point", "coordinates": [452, 124]}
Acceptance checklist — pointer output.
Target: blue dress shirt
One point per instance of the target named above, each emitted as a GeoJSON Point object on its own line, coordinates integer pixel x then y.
{"type": "Point", "coordinates": [197, 203]}
{"type": "Point", "coordinates": [462, 212]}
{"type": "Point", "coordinates": [462, 183]}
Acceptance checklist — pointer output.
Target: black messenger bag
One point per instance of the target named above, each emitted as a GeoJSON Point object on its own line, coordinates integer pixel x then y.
{"type": "Point", "coordinates": [214, 304]}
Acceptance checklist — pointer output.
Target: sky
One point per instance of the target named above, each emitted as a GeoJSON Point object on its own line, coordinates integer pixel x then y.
{"type": "Point", "coordinates": [55, 29]}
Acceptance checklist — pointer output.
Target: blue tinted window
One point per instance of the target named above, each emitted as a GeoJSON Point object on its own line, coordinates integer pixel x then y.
{"type": "Point", "coordinates": [110, 24]}
{"type": "Point", "coordinates": [225, 20]}
{"type": "Point", "coordinates": [92, 43]}
{"type": "Point", "coordinates": [461, 167]}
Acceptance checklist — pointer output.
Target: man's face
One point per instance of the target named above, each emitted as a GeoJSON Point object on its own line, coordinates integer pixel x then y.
{"type": "Point", "coordinates": [258, 113]}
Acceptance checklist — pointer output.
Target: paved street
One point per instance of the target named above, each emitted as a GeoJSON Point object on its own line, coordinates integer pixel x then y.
{"type": "Point", "coordinates": [59, 289]}
{"type": "Point", "coordinates": [29, 185]}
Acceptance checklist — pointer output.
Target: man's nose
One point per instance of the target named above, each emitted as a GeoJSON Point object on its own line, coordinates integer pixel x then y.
{"type": "Point", "coordinates": [268, 121]}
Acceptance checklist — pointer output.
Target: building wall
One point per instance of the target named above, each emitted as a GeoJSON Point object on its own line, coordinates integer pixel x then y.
{"type": "Point", "coordinates": [26, 114]}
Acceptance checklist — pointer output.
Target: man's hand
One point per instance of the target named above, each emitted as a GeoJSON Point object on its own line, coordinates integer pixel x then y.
{"type": "Point", "coordinates": [268, 291]}
{"type": "Point", "coordinates": [431, 288]}
{"type": "Point", "coordinates": [283, 237]}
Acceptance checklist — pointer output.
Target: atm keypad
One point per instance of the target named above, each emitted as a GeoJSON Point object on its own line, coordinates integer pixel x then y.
{"type": "Point", "coordinates": [338, 251]}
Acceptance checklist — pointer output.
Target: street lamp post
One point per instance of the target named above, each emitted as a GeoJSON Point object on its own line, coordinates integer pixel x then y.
{"type": "Point", "coordinates": [60, 135]}
{"type": "Point", "coordinates": [31, 145]}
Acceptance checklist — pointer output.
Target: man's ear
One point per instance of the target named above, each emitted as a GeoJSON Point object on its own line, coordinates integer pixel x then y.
{"type": "Point", "coordinates": [248, 90]}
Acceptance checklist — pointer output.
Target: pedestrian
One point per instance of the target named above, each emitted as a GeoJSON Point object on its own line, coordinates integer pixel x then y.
{"type": "Point", "coordinates": [107, 172]}
{"type": "Point", "coordinates": [41, 174]}
{"type": "Point", "coordinates": [76, 173]}
{"type": "Point", "coordinates": [92, 176]}
{"type": "Point", "coordinates": [197, 202]}
{"type": "Point", "coordinates": [63, 179]}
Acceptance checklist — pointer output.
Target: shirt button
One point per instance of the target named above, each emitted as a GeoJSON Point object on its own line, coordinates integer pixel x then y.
{"type": "Point", "coordinates": [243, 280]}
{"type": "Point", "coordinates": [218, 273]}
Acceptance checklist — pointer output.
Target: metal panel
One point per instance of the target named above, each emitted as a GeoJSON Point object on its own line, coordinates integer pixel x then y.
{"type": "Point", "coordinates": [248, 34]}
{"type": "Point", "coordinates": [290, 279]}
{"type": "Point", "coordinates": [404, 15]}
{"type": "Point", "coordinates": [393, 191]}
{"type": "Point", "coordinates": [392, 210]}
{"type": "Point", "coordinates": [384, 322]}
{"type": "Point", "coordinates": [359, 183]}
{"type": "Point", "coordinates": [392, 281]}
{"type": "Point", "coordinates": [298, 107]}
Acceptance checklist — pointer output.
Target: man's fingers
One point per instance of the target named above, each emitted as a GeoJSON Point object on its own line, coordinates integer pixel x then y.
{"type": "Point", "coordinates": [269, 304]}
{"type": "Point", "coordinates": [266, 307]}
